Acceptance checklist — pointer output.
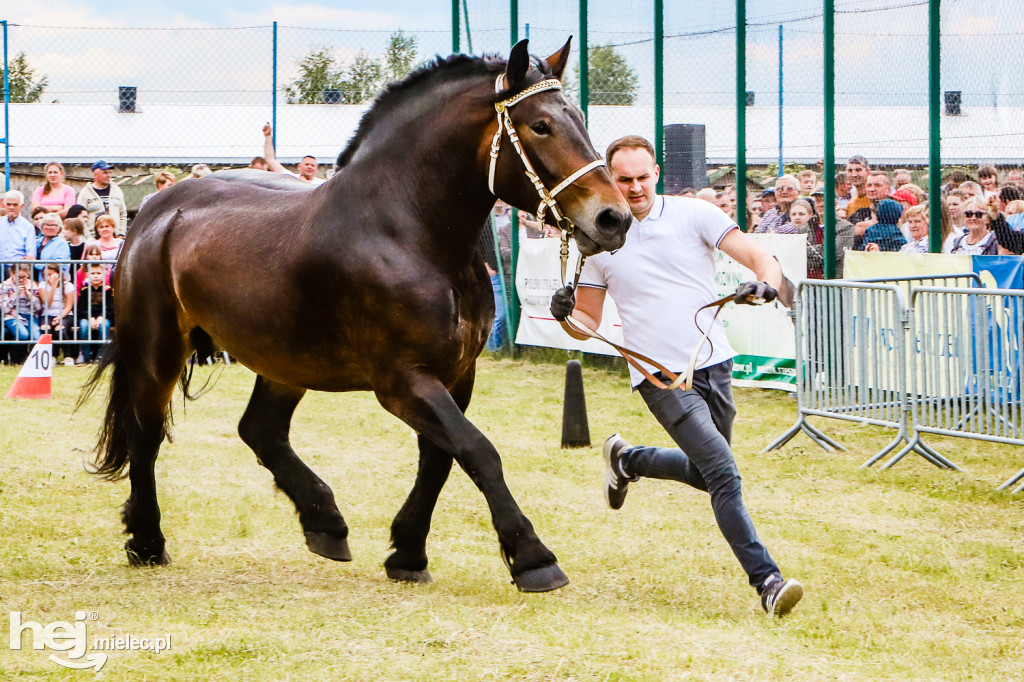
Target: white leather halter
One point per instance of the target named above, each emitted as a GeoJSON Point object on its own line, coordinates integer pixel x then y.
{"type": "Point", "coordinates": [547, 199]}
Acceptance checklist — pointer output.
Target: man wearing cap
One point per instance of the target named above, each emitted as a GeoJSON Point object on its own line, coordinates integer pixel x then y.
{"type": "Point", "coordinates": [103, 196]}
{"type": "Point", "coordinates": [786, 190]}
{"type": "Point", "coordinates": [768, 201]}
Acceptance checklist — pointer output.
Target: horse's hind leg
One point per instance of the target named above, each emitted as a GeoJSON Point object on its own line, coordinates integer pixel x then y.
{"type": "Point", "coordinates": [135, 428]}
{"type": "Point", "coordinates": [264, 428]}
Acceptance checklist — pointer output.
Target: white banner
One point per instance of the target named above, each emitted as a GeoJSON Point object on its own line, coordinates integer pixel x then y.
{"type": "Point", "coordinates": [761, 336]}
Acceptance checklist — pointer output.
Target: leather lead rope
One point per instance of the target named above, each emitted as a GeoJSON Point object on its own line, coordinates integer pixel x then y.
{"type": "Point", "coordinates": [685, 380]}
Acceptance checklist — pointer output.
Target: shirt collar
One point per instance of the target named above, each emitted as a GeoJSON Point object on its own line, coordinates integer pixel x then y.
{"type": "Point", "coordinates": [657, 208]}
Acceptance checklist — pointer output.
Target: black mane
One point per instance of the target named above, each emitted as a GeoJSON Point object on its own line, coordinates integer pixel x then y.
{"type": "Point", "coordinates": [440, 70]}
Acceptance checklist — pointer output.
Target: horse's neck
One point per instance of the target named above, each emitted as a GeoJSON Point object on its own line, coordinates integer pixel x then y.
{"type": "Point", "coordinates": [431, 153]}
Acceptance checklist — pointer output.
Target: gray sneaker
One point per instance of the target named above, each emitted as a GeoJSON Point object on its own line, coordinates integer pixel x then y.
{"type": "Point", "coordinates": [780, 595]}
{"type": "Point", "coordinates": [616, 481]}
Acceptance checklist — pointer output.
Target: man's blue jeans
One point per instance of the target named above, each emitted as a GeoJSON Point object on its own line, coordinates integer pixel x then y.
{"type": "Point", "coordinates": [500, 329]}
{"type": "Point", "coordinates": [700, 422]}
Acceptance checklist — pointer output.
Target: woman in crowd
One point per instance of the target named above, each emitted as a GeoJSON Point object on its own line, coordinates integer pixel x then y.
{"type": "Point", "coordinates": [37, 214]}
{"type": "Point", "coordinates": [979, 240]}
{"type": "Point", "coordinates": [54, 195]}
{"type": "Point", "coordinates": [955, 203]}
{"type": "Point", "coordinates": [58, 294]}
{"type": "Point", "coordinates": [803, 218]}
{"type": "Point", "coordinates": [74, 235]}
{"type": "Point", "coordinates": [110, 246]}
{"type": "Point", "coordinates": [21, 304]}
{"type": "Point", "coordinates": [162, 180]}
{"type": "Point", "coordinates": [51, 245]}
{"type": "Point", "coordinates": [916, 220]}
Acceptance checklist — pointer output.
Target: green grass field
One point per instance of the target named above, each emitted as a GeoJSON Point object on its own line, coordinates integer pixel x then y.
{"type": "Point", "coordinates": [910, 574]}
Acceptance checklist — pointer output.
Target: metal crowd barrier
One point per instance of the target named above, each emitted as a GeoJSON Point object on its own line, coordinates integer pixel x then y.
{"type": "Point", "coordinates": [851, 340]}
{"type": "Point", "coordinates": [949, 364]}
{"type": "Point", "coordinates": [36, 324]}
{"type": "Point", "coordinates": [966, 374]}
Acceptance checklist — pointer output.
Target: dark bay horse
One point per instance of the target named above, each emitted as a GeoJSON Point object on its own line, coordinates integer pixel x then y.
{"type": "Point", "coordinates": [370, 282]}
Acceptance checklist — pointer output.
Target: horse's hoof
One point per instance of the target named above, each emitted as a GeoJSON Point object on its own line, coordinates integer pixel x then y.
{"type": "Point", "coordinates": [543, 579]}
{"type": "Point", "coordinates": [407, 576]}
{"type": "Point", "coordinates": [328, 546]}
{"type": "Point", "coordinates": [140, 560]}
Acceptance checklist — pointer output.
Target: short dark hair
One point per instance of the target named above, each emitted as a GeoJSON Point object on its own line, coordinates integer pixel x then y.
{"type": "Point", "coordinates": [308, 156]}
{"type": "Point", "coordinates": [1010, 193]}
{"type": "Point", "coordinates": [629, 142]}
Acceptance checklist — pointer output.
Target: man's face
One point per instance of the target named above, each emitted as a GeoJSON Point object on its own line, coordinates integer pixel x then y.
{"type": "Point", "coordinates": [101, 177]}
{"type": "Point", "coordinates": [819, 203]}
{"type": "Point", "coordinates": [768, 203]}
{"type": "Point", "coordinates": [901, 179]}
{"type": "Point", "coordinates": [1014, 177]}
{"type": "Point", "coordinates": [307, 167]}
{"type": "Point", "coordinates": [807, 184]}
{"type": "Point", "coordinates": [13, 208]}
{"type": "Point", "coordinates": [877, 187]}
{"type": "Point", "coordinates": [857, 173]}
{"type": "Point", "coordinates": [636, 175]}
{"type": "Point", "coordinates": [786, 190]}
{"type": "Point", "coordinates": [969, 190]}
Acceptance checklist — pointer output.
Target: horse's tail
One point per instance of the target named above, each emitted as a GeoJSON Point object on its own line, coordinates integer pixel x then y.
{"type": "Point", "coordinates": [120, 420]}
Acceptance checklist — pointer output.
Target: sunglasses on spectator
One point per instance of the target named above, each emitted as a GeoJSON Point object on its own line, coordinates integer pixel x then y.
{"type": "Point", "coordinates": [974, 214]}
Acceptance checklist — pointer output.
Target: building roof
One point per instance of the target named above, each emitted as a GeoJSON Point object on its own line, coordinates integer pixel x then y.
{"type": "Point", "coordinates": [231, 134]}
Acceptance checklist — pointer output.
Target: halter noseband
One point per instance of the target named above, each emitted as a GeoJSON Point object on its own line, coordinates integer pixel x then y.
{"type": "Point", "coordinates": [547, 199]}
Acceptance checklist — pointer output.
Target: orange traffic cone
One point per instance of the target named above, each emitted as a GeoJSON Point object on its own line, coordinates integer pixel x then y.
{"type": "Point", "coordinates": [34, 378]}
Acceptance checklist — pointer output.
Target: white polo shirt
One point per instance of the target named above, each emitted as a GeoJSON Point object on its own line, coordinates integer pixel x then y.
{"type": "Point", "coordinates": [660, 277]}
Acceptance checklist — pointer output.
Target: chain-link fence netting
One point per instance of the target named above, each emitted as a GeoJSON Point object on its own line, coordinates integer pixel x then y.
{"type": "Point", "coordinates": [147, 99]}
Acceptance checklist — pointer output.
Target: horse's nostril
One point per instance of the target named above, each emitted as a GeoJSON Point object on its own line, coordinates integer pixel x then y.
{"type": "Point", "coordinates": [614, 220]}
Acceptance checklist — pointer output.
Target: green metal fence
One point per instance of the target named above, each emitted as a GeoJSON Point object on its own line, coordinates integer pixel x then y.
{"type": "Point", "coordinates": [756, 87]}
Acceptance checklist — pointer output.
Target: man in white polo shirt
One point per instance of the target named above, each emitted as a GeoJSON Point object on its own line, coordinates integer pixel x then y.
{"type": "Point", "coordinates": [658, 279]}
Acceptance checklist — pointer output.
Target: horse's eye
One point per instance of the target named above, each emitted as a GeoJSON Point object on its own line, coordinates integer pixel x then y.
{"type": "Point", "coordinates": [541, 128]}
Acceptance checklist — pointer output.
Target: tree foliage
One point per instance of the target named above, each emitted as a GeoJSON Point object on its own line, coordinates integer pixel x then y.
{"type": "Point", "coordinates": [357, 82]}
{"type": "Point", "coordinates": [610, 79]}
{"type": "Point", "coordinates": [24, 87]}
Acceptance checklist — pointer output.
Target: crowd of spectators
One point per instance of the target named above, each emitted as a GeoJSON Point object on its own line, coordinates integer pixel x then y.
{"type": "Point", "coordinates": [50, 284]}
{"type": "Point", "coordinates": [877, 210]}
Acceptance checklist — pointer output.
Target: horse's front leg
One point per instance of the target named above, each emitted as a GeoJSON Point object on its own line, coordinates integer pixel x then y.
{"type": "Point", "coordinates": [421, 401]}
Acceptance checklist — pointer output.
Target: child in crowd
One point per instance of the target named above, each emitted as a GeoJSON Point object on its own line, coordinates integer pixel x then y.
{"type": "Point", "coordinates": [95, 312]}
{"type": "Point", "coordinates": [885, 235]}
{"type": "Point", "coordinates": [92, 252]}
{"type": "Point", "coordinates": [58, 296]}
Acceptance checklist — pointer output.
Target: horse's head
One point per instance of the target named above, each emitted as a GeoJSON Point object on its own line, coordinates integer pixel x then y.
{"type": "Point", "coordinates": [545, 163]}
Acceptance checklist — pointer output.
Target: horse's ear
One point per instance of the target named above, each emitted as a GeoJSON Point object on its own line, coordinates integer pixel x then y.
{"type": "Point", "coordinates": [518, 65]}
{"type": "Point", "coordinates": [558, 60]}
